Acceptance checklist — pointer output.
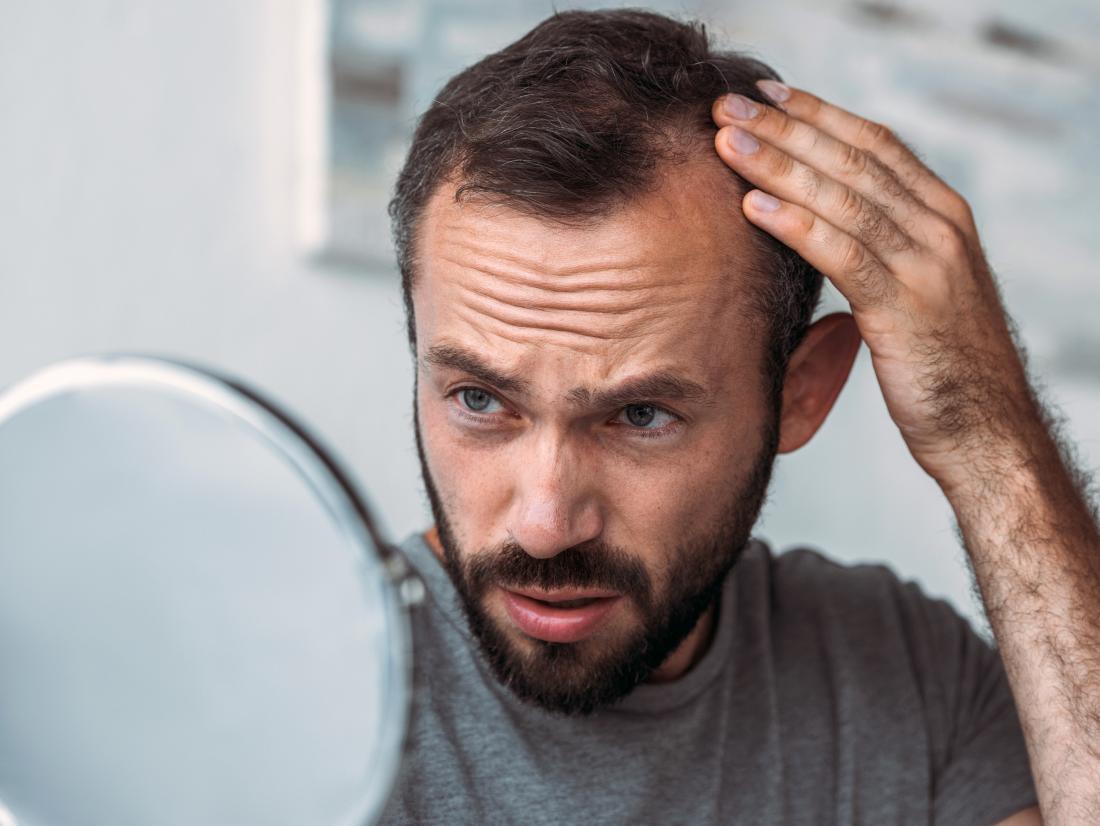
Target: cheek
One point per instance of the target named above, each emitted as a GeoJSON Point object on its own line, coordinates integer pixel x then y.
{"type": "Point", "coordinates": [651, 502]}
{"type": "Point", "coordinates": [658, 506]}
{"type": "Point", "coordinates": [470, 480]}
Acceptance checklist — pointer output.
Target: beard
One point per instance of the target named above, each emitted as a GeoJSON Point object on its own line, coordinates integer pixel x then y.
{"type": "Point", "coordinates": [578, 678]}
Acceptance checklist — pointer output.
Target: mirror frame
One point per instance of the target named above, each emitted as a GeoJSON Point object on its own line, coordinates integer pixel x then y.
{"type": "Point", "coordinates": [330, 483]}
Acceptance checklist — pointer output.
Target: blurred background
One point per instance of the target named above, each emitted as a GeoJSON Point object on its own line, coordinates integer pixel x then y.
{"type": "Point", "coordinates": [208, 180]}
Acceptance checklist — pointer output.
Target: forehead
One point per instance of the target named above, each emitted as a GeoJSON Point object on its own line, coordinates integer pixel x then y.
{"type": "Point", "coordinates": [665, 277]}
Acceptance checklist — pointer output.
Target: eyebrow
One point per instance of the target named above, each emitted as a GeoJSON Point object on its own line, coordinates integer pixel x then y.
{"type": "Point", "coordinates": [459, 358]}
{"type": "Point", "coordinates": [662, 384]}
{"type": "Point", "coordinates": [659, 385]}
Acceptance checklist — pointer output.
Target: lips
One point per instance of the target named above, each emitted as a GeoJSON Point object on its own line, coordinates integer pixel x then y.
{"type": "Point", "coordinates": [563, 594]}
{"type": "Point", "coordinates": [564, 615]}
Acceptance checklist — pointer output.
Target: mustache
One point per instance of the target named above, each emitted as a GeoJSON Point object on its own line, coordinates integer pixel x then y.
{"type": "Point", "coordinates": [594, 564]}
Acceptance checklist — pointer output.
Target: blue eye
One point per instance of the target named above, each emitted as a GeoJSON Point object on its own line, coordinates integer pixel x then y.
{"type": "Point", "coordinates": [647, 416]}
{"type": "Point", "coordinates": [476, 400]}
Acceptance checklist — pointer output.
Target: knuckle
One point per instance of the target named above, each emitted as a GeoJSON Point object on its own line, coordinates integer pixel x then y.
{"type": "Point", "coordinates": [849, 204]}
{"type": "Point", "coordinates": [781, 164]}
{"type": "Point", "coordinates": [783, 126]}
{"type": "Point", "coordinates": [956, 245]}
{"type": "Point", "coordinates": [874, 134]}
{"type": "Point", "coordinates": [812, 104]}
{"type": "Point", "coordinates": [813, 137]}
{"type": "Point", "coordinates": [877, 230]}
{"type": "Point", "coordinates": [872, 225]}
{"type": "Point", "coordinates": [899, 240]}
{"type": "Point", "coordinates": [960, 209]}
{"type": "Point", "coordinates": [888, 182]}
{"type": "Point", "coordinates": [809, 181]}
{"type": "Point", "coordinates": [852, 160]}
{"type": "Point", "coordinates": [816, 230]}
{"type": "Point", "coordinates": [949, 239]}
{"type": "Point", "coordinates": [874, 286]}
{"type": "Point", "coordinates": [853, 258]}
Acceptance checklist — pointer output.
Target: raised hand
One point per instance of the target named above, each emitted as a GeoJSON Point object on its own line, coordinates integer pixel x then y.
{"type": "Point", "coordinates": [902, 247]}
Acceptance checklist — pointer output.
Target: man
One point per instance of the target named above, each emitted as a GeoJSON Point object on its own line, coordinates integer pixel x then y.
{"type": "Point", "coordinates": [612, 240]}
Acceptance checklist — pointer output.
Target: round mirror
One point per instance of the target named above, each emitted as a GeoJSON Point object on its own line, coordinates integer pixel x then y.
{"type": "Point", "coordinates": [198, 622]}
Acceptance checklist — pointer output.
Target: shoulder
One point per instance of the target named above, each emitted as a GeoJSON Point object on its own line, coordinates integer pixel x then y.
{"type": "Point", "coordinates": [806, 570]}
{"type": "Point", "coordinates": [804, 567]}
{"type": "Point", "coordinates": [867, 613]}
{"type": "Point", "coordinates": [804, 580]}
{"type": "Point", "coordinates": [884, 631]}
{"type": "Point", "coordinates": [890, 659]}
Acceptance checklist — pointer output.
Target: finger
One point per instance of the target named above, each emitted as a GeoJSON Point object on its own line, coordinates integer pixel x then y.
{"type": "Point", "coordinates": [859, 275]}
{"type": "Point", "coordinates": [855, 167]}
{"type": "Point", "coordinates": [793, 181]}
{"type": "Point", "coordinates": [880, 141]}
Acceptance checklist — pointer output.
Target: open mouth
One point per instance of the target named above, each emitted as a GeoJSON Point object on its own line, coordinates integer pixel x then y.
{"type": "Point", "coordinates": [569, 603]}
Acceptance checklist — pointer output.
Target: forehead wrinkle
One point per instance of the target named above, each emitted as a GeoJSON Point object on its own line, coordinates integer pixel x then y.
{"type": "Point", "coordinates": [598, 275]}
{"type": "Point", "coordinates": [604, 279]}
{"type": "Point", "coordinates": [516, 258]}
{"type": "Point", "coordinates": [579, 319]}
{"type": "Point", "coordinates": [475, 317]}
{"type": "Point", "coordinates": [589, 314]}
{"type": "Point", "coordinates": [496, 301]}
{"type": "Point", "coordinates": [491, 246]}
{"type": "Point", "coordinates": [496, 240]}
{"type": "Point", "coordinates": [584, 343]}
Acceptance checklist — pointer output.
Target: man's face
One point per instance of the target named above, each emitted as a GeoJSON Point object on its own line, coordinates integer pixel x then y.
{"type": "Point", "coordinates": [590, 415]}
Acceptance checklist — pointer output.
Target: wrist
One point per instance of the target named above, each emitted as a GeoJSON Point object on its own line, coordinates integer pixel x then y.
{"type": "Point", "coordinates": [992, 468]}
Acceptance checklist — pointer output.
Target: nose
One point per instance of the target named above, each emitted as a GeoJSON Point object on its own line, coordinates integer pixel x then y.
{"type": "Point", "coordinates": [556, 504]}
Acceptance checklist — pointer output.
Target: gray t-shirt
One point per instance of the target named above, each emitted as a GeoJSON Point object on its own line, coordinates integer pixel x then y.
{"type": "Point", "coordinates": [830, 694]}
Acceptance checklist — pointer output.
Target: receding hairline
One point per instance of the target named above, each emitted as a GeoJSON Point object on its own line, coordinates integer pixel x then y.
{"type": "Point", "coordinates": [719, 184]}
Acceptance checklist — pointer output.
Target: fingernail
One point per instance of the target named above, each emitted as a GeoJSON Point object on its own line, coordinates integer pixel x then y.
{"type": "Point", "coordinates": [763, 201]}
{"type": "Point", "coordinates": [773, 90]}
{"type": "Point", "coordinates": [740, 107]}
{"type": "Point", "coordinates": [741, 141]}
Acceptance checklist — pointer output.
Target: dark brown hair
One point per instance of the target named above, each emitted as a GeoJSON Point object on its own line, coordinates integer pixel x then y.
{"type": "Point", "coordinates": [573, 120]}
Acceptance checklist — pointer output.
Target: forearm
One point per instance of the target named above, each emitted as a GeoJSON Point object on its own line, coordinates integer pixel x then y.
{"type": "Point", "coordinates": [903, 249]}
{"type": "Point", "coordinates": [1034, 545]}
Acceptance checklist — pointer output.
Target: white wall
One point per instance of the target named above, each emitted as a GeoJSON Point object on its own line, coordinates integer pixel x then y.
{"type": "Point", "coordinates": [151, 188]}
{"type": "Point", "coordinates": [150, 202]}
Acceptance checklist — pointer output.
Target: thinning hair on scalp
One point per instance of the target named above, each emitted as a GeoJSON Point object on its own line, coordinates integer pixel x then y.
{"type": "Point", "coordinates": [575, 119]}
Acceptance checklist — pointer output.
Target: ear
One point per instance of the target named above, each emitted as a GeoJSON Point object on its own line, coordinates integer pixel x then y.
{"type": "Point", "coordinates": [816, 372]}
